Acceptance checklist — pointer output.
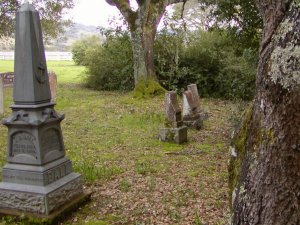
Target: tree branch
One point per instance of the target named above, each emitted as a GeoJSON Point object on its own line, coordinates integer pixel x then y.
{"type": "Point", "coordinates": [170, 2]}
{"type": "Point", "coordinates": [126, 11]}
{"type": "Point", "coordinates": [272, 13]}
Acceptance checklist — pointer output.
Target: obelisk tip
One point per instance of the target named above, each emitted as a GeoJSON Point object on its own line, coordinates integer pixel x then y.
{"type": "Point", "coordinates": [26, 6]}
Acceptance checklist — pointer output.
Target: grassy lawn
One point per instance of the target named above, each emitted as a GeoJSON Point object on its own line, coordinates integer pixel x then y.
{"type": "Point", "coordinates": [66, 71]}
{"type": "Point", "coordinates": [112, 140]}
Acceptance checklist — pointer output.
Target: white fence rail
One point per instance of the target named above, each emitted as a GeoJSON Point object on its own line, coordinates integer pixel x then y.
{"type": "Point", "coordinates": [51, 56]}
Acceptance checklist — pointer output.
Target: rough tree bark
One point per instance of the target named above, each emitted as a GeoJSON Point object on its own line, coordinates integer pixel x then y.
{"type": "Point", "coordinates": [265, 164]}
{"type": "Point", "coordinates": [143, 24]}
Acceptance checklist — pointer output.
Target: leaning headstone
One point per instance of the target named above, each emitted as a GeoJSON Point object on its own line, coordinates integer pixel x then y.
{"type": "Point", "coordinates": [38, 179]}
{"type": "Point", "coordinates": [174, 131]}
{"type": "Point", "coordinates": [1, 96]}
{"type": "Point", "coordinates": [192, 115]}
{"type": "Point", "coordinates": [53, 85]}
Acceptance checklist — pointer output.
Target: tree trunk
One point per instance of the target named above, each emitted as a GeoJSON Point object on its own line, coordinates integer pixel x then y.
{"type": "Point", "coordinates": [143, 30]}
{"type": "Point", "coordinates": [142, 39]}
{"type": "Point", "coordinates": [265, 164]}
{"type": "Point", "coordinates": [143, 24]}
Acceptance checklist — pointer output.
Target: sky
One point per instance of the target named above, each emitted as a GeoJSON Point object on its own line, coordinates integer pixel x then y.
{"type": "Point", "coordinates": [93, 12]}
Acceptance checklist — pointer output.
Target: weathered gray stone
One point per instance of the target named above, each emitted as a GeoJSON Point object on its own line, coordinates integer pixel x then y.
{"type": "Point", "coordinates": [192, 115]}
{"type": "Point", "coordinates": [40, 139]}
{"type": "Point", "coordinates": [193, 89]}
{"type": "Point", "coordinates": [38, 199]}
{"type": "Point", "coordinates": [53, 85]}
{"type": "Point", "coordinates": [1, 96]}
{"type": "Point", "coordinates": [174, 130]}
{"type": "Point", "coordinates": [37, 175]}
{"type": "Point", "coordinates": [8, 79]}
{"type": "Point", "coordinates": [173, 111]}
{"type": "Point", "coordinates": [37, 178]}
{"type": "Point", "coordinates": [177, 135]}
{"type": "Point", "coordinates": [31, 85]}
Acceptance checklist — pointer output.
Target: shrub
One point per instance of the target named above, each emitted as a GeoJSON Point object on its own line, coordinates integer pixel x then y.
{"type": "Point", "coordinates": [110, 65]}
{"type": "Point", "coordinates": [208, 59]}
{"type": "Point", "coordinates": [80, 47]}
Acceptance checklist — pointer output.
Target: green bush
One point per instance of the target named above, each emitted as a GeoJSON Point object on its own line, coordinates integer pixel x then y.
{"type": "Point", "coordinates": [110, 66]}
{"type": "Point", "coordinates": [80, 47]}
{"type": "Point", "coordinates": [208, 59]}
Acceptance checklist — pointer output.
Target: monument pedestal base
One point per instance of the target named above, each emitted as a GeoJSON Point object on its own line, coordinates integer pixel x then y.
{"type": "Point", "coordinates": [177, 135]}
{"type": "Point", "coordinates": [40, 199]}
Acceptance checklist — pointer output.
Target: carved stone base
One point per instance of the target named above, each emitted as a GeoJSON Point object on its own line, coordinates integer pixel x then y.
{"type": "Point", "coordinates": [36, 175]}
{"type": "Point", "coordinates": [177, 135]}
{"type": "Point", "coordinates": [39, 199]}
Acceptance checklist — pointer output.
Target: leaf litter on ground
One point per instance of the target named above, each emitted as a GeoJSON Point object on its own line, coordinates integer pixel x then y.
{"type": "Point", "coordinates": [111, 139]}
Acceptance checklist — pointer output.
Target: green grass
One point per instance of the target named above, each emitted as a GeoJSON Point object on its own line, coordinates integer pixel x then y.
{"type": "Point", "coordinates": [6, 66]}
{"type": "Point", "coordinates": [66, 71]}
{"type": "Point", "coordinates": [112, 141]}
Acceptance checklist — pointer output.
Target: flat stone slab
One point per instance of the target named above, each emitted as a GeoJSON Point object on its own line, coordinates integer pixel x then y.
{"type": "Point", "coordinates": [177, 135]}
{"type": "Point", "coordinates": [55, 215]}
{"type": "Point", "coordinates": [195, 121]}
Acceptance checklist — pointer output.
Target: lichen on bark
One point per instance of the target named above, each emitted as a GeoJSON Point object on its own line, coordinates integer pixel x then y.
{"type": "Point", "coordinates": [285, 58]}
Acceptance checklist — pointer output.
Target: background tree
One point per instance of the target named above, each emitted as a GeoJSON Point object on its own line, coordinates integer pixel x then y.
{"type": "Point", "coordinates": [241, 17]}
{"type": "Point", "coordinates": [142, 24]}
{"type": "Point", "coordinates": [265, 166]}
{"type": "Point", "coordinates": [51, 14]}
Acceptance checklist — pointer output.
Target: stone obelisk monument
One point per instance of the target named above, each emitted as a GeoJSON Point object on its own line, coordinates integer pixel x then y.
{"type": "Point", "coordinates": [37, 178]}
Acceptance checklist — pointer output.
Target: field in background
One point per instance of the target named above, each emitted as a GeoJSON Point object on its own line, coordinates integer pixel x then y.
{"type": "Point", "coordinates": [66, 71]}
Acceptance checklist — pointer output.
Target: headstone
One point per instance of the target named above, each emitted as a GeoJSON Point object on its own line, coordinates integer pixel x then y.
{"type": "Point", "coordinates": [53, 85]}
{"type": "Point", "coordinates": [174, 131]}
{"type": "Point", "coordinates": [8, 79]}
{"type": "Point", "coordinates": [38, 177]}
{"type": "Point", "coordinates": [1, 96]}
{"type": "Point", "coordinates": [192, 115]}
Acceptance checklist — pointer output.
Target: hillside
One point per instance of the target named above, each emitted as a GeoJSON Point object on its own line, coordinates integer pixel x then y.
{"type": "Point", "coordinates": [72, 34]}
{"type": "Point", "coordinates": [62, 43]}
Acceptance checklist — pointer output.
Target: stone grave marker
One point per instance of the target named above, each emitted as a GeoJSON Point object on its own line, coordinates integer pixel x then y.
{"type": "Point", "coordinates": [8, 79]}
{"type": "Point", "coordinates": [192, 115]}
{"type": "Point", "coordinates": [1, 96]}
{"type": "Point", "coordinates": [53, 85]}
{"type": "Point", "coordinates": [174, 130]}
{"type": "Point", "coordinates": [38, 179]}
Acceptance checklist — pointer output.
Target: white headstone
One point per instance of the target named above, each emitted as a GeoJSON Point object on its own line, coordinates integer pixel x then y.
{"type": "Point", "coordinates": [188, 104]}
{"type": "Point", "coordinates": [196, 99]}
